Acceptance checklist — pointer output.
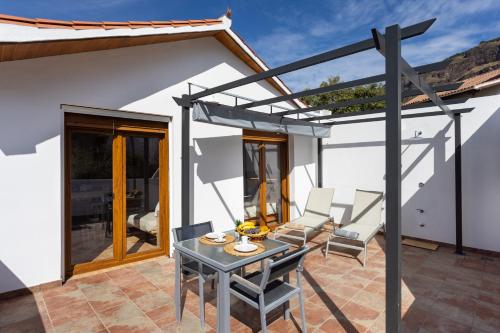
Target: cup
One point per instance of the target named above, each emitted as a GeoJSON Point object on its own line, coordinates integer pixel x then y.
{"type": "Point", "coordinates": [244, 239]}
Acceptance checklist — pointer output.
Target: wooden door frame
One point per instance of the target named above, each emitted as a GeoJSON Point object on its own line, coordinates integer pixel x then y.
{"type": "Point", "coordinates": [282, 141]}
{"type": "Point", "coordinates": [118, 127]}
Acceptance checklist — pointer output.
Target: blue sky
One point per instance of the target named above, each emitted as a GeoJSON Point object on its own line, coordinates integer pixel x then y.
{"type": "Point", "coordinates": [282, 31]}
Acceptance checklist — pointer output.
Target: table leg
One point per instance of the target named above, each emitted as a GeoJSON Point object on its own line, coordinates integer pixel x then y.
{"type": "Point", "coordinates": [286, 305]}
{"type": "Point", "coordinates": [177, 286]}
{"type": "Point", "coordinates": [223, 303]}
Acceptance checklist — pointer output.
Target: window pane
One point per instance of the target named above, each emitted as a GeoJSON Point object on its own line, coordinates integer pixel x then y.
{"type": "Point", "coordinates": [273, 182]}
{"type": "Point", "coordinates": [142, 193]}
{"type": "Point", "coordinates": [91, 197]}
{"type": "Point", "coordinates": [251, 179]}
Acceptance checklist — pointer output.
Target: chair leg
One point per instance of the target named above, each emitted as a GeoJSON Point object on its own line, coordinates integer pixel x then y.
{"type": "Point", "coordinates": [201, 292]}
{"type": "Point", "coordinates": [327, 247]}
{"type": "Point", "coordinates": [262, 311]}
{"type": "Point", "coordinates": [302, 312]}
{"type": "Point", "coordinates": [364, 256]}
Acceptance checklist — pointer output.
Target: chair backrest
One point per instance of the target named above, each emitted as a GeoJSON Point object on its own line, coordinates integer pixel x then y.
{"type": "Point", "coordinates": [192, 231]}
{"type": "Point", "coordinates": [367, 207]}
{"type": "Point", "coordinates": [319, 202]}
{"type": "Point", "coordinates": [283, 265]}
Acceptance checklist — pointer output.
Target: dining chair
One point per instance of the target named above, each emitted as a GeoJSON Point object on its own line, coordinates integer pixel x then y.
{"type": "Point", "coordinates": [193, 267]}
{"type": "Point", "coordinates": [265, 291]}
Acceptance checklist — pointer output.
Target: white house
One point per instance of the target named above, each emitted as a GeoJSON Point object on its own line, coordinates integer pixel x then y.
{"type": "Point", "coordinates": [128, 71]}
{"type": "Point", "coordinates": [90, 149]}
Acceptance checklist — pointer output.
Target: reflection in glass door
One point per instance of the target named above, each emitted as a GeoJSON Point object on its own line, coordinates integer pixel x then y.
{"type": "Point", "coordinates": [265, 179]}
{"type": "Point", "coordinates": [252, 181]}
{"type": "Point", "coordinates": [142, 194]}
{"type": "Point", "coordinates": [273, 178]}
{"type": "Point", "coordinates": [91, 197]}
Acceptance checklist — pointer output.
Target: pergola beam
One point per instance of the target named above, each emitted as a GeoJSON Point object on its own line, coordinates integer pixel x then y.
{"type": "Point", "coordinates": [412, 75]}
{"type": "Point", "coordinates": [340, 86]}
{"type": "Point", "coordinates": [436, 88]}
{"type": "Point", "coordinates": [370, 100]}
{"type": "Point", "coordinates": [407, 32]}
{"type": "Point", "coordinates": [316, 91]}
{"type": "Point", "coordinates": [404, 116]}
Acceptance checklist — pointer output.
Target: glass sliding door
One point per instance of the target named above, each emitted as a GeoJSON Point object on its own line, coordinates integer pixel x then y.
{"type": "Point", "coordinates": [142, 194]}
{"type": "Point", "coordinates": [273, 173]}
{"type": "Point", "coordinates": [91, 197]}
{"type": "Point", "coordinates": [252, 181]}
{"type": "Point", "coordinates": [116, 191]}
{"type": "Point", "coordinates": [265, 179]}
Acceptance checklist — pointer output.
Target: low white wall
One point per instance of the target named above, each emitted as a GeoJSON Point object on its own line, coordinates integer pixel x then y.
{"type": "Point", "coordinates": [354, 157]}
{"type": "Point", "coordinates": [141, 79]}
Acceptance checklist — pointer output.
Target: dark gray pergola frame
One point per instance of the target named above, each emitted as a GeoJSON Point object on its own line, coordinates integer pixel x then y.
{"type": "Point", "coordinates": [389, 45]}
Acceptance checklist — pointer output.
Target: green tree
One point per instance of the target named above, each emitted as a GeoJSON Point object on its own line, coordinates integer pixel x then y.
{"type": "Point", "coordinates": [365, 91]}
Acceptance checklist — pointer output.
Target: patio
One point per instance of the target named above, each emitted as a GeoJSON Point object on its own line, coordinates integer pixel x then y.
{"type": "Point", "coordinates": [442, 292]}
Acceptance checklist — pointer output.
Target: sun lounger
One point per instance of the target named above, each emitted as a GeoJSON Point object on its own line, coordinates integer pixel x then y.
{"type": "Point", "coordinates": [366, 221]}
{"type": "Point", "coordinates": [316, 215]}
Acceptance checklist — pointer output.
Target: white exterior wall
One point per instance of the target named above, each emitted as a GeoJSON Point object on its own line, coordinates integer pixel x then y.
{"type": "Point", "coordinates": [141, 79]}
{"type": "Point", "coordinates": [354, 157]}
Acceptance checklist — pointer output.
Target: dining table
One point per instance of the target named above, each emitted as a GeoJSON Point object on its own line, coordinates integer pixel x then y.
{"type": "Point", "coordinates": [224, 264]}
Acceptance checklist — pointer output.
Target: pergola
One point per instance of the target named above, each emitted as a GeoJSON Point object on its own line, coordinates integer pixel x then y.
{"type": "Point", "coordinates": [396, 67]}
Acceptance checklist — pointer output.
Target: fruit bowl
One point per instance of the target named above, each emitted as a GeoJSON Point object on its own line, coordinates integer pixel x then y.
{"type": "Point", "coordinates": [254, 233]}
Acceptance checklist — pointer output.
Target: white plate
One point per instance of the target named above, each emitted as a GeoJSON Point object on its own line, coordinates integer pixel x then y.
{"type": "Point", "coordinates": [246, 247]}
{"type": "Point", "coordinates": [219, 241]}
{"type": "Point", "coordinates": [214, 235]}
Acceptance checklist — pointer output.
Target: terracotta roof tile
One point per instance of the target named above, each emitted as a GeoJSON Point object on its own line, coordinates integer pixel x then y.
{"type": "Point", "coordinates": [79, 25]}
{"type": "Point", "coordinates": [467, 85]}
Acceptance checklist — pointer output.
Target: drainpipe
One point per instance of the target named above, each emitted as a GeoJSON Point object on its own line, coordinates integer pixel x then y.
{"type": "Point", "coordinates": [458, 185]}
{"type": "Point", "coordinates": [185, 192]}
{"type": "Point", "coordinates": [320, 162]}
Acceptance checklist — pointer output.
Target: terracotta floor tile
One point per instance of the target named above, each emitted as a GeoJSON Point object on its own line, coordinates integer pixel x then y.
{"type": "Point", "coordinates": [487, 317]}
{"type": "Point", "coordinates": [440, 292]}
{"type": "Point", "coordinates": [33, 324]}
{"type": "Point", "coordinates": [134, 325]}
{"type": "Point", "coordinates": [104, 296]}
{"type": "Point", "coordinates": [116, 315]}
{"type": "Point", "coordinates": [19, 309]}
{"type": "Point", "coordinates": [81, 325]}
{"type": "Point", "coordinates": [153, 300]}
{"type": "Point", "coordinates": [63, 300]}
{"type": "Point", "coordinates": [341, 325]}
{"type": "Point", "coordinates": [439, 324]}
{"type": "Point", "coordinates": [455, 306]}
{"type": "Point", "coordinates": [135, 290]}
{"type": "Point", "coordinates": [71, 312]}
{"type": "Point", "coordinates": [372, 300]}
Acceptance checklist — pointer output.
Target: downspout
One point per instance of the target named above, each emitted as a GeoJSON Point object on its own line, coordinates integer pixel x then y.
{"type": "Point", "coordinates": [458, 185]}
{"type": "Point", "coordinates": [320, 163]}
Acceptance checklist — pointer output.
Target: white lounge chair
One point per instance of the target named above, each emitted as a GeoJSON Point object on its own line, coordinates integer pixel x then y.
{"type": "Point", "coordinates": [366, 221]}
{"type": "Point", "coordinates": [316, 215]}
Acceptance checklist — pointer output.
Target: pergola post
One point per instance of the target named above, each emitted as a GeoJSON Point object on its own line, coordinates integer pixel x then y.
{"type": "Point", "coordinates": [185, 164]}
{"type": "Point", "coordinates": [320, 163]}
{"type": "Point", "coordinates": [393, 178]}
{"type": "Point", "coordinates": [458, 184]}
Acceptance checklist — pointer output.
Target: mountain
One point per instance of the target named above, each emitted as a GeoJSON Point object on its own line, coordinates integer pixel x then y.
{"type": "Point", "coordinates": [477, 60]}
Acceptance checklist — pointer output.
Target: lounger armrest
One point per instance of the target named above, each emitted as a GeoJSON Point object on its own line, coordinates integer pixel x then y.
{"type": "Point", "coordinates": [245, 283]}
